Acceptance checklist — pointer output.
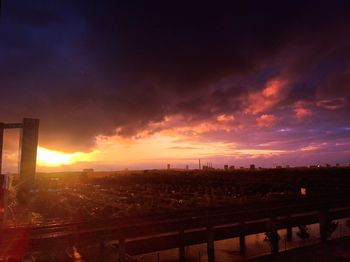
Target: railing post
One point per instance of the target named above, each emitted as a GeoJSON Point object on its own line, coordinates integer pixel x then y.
{"type": "Point", "coordinates": [102, 251]}
{"type": "Point", "coordinates": [324, 223]}
{"type": "Point", "coordinates": [242, 245]}
{"type": "Point", "coordinates": [289, 234]}
{"type": "Point", "coordinates": [274, 237]}
{"type": "Point", "coordinates": [121, 250]}
{"type": "Point", "coordinates": [289, 231]}
{"type": "Point", "coordinates": [182, 255]}
{"type": "Point", "coordinates": [210, 244]}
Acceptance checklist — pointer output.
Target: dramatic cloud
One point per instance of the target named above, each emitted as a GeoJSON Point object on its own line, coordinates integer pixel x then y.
{"type": "Point", "coordinates": [180, 125]}
{"type": "Point", "coordinates": [136, 69]}
{"type": "Point", "coordinates": [265, 100]}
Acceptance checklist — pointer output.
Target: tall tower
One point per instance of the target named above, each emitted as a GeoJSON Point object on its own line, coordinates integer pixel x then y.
{"type": "Point", "coordinates": [1, 143]}
{"type": "Point", "coordinates": [28, 150]}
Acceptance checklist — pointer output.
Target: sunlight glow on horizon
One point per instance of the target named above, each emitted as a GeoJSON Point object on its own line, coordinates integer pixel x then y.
{"type": "Point", "coordinates": [54, 158]}
{"type": "Point", "coordinates": [151, 148]}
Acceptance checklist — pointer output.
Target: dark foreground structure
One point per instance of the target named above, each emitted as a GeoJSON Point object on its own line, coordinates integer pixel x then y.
{"type": "Point", "coordinates": [336, 250]}
{"type": "Point", "coordinates": [132, 236]}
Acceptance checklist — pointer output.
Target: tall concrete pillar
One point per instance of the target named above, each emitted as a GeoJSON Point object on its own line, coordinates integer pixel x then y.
{"type": "Point", "coordinates": [28, 150]}
{"type": "Point", "coordinates": [1, 143]}
{"type": "Point", "coordinates": [274, 237]}
{"type": "Point", "coordinates": [3, 193]}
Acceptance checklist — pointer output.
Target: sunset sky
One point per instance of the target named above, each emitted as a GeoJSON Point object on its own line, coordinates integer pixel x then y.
{"type": "Point", "coordinates": [132, 84]}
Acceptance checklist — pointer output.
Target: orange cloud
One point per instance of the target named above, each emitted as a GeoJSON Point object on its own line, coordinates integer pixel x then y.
{"type": "Point", "coordinates": [178, 125]}
{"type": "Point", "coordinates": [272, 94]}
{"type": "Point", "coordinates": [224, 117]}
{"type": "Point", "coordinates": [266, 121]}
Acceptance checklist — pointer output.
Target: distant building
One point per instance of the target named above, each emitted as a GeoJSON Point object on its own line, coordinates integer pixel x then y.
{"type": "Point", "coordinates": [168, 166]}
{"type": "Point", "coordinates": [88, 170]}
{"type": "Point", "coordinates": [226, 167]}
{"type": "Point", "coordinates": [232, 167]}
{"type": "Point", "coordinates": [210, 165]}
{"type": "Point", "coordinates": [252, 167]}
{"type": "Point", "coordinates": [278, 167]}
{"type": "Point", "coordinates": [187, 167]}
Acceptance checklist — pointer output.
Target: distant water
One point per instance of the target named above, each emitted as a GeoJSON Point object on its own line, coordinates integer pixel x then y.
{"type": "Point", "coordinates": [228, 250]}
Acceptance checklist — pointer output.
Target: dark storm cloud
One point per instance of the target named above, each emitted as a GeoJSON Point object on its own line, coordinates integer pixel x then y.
{"type": "Point", "coordinates": [92, 67]}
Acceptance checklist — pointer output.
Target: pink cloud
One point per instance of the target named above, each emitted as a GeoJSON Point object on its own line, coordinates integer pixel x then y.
{"type": "Point", "coordinates": [266, 120]}
{"type": "Point", "coordinates": [332, 104]}
{"type": "Point", "coordinates": [301, 111]}
{"type": "Point", "coordinates": [309, 148]}
{"type": "Point", "coordinates": [272, 94]}
{"type": "Point", "coordinates": [313, 147]}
